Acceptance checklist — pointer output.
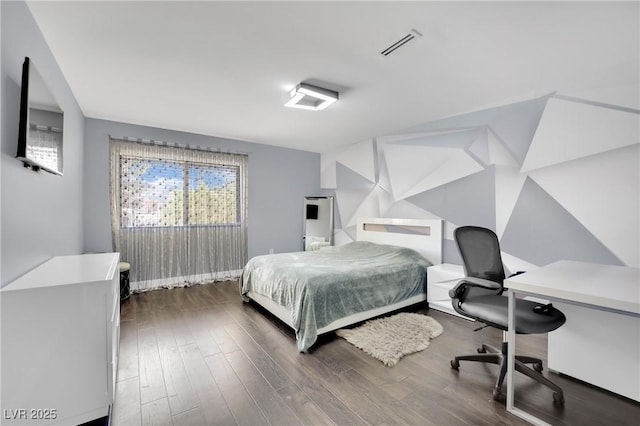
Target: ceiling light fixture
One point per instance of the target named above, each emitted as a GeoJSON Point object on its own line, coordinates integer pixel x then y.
{"type": "Point", "coordinates": [314, 98]}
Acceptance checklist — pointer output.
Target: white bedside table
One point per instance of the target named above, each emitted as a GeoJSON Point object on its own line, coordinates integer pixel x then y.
{"type": "Point", "coordinates": [440, 279]}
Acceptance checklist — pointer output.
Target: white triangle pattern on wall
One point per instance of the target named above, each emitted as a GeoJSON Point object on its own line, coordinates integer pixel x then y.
{"type": "Point", "coordinates": [480, 148]}
{"type": "Point", "coordinates": [498, 152]}
{"type": "Point", "coordinates": [415, 169]}
{"type": "Point", "coordinates": [404, 208]}
{"type": "Point", "coordinates": [359, 157]}
{"type": "Point", "coordinates": [452, 138]}
{"type": "Point", "coordinates": [509, 182]}
{"type": "Point", "coordinates": [583, 154]}
{"type": "Point", "coordinates": [348, 202]}
{"type": "Point", "coordinates": [591, 192]}
{"type": "Point", "coordinates": [369, 207]}
{"type": "Point", "coordinates": [571, 130]}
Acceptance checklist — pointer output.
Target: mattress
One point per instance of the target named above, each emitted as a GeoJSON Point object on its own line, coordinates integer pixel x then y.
{"type": "Point", "coordinates": [319, 287]}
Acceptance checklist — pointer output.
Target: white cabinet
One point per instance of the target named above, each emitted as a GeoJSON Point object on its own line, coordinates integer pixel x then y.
{"type": "Point", "coordinates": [441, 279]}
{"type": "Point", "coordinates": [600, 341]}
{"type": "Point", "coordinates": [598, 347]}
{"type": "Point", "coordinates": [60, 334]}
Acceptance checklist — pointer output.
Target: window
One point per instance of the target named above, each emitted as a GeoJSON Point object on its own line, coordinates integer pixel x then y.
{"type": "Point", "coordinates": [178, 213]}
{"type": "Point", "coordinates": [162, 193]}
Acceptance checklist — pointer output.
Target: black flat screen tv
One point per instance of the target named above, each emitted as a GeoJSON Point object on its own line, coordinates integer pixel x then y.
{"type": "Point", "coordinates": [41, 123]}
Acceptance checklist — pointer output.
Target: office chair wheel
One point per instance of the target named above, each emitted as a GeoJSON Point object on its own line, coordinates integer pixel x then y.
{"type": "Point", "coordinates": [558, 398]}
{"type": "Point", "coordinates": [537, 366]}
{"type": "Point", "coordinates": [455, 364]}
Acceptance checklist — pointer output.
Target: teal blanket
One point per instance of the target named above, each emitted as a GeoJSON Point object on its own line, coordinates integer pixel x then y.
{"type": "Point", "coordinates": [322, 286]}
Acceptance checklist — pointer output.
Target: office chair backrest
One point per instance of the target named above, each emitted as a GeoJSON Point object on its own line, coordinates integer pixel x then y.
{"type": "Point", "coordinates": [480, 251]}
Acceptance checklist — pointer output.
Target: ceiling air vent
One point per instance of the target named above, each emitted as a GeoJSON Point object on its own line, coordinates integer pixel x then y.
{"type": "Point", "coordinates": [398, 44]}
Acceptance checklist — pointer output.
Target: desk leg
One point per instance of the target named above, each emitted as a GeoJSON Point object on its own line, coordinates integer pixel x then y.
{"type": "Point", "coordinates": [511, 364]}
{"type": "Point", "coordinates": [511, 349]}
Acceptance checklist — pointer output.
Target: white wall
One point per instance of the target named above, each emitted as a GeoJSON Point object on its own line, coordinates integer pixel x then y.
{"type": "Point", "coordinates": [41, 212]}
{"type": "Point", "coordinates": [557, 177]}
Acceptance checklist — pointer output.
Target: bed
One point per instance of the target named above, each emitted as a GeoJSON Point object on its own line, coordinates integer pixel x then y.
{"type": "Point", "coordinates": [320, 291]}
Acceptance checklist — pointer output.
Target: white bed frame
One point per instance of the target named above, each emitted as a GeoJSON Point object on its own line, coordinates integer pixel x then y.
{"type": "Point", "coordinates": [427, 240]}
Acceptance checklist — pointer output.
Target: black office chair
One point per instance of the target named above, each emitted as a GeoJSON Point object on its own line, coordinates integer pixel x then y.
{"type": "Point", "coordinates": [479, 296]}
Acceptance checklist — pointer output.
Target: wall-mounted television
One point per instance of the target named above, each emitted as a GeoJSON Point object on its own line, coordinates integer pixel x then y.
{"type": "Point", "coordinates": [41, 123]}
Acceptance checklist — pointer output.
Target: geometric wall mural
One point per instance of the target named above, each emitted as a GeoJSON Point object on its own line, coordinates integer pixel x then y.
{"type": "Point", "coordinates": [542, 231]}
{"type": "Point", "coordinates": [418, 168]}
{"type": "Point", "coordinates": [556, 177]}
{"type": "Point", "coordinates": [598, 191]}
{"type": "Point", "coordinates": [570, 130]}
{"type": "Point", "coordinates": [469, 200]}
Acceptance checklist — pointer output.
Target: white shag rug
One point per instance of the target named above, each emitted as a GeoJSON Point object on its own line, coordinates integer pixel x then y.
{"type": "Point", "coordinates": [390, 338]}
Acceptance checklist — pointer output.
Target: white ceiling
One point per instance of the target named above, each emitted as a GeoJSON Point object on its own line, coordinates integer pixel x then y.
{"type": "Point", "coordinates": [224, 68]}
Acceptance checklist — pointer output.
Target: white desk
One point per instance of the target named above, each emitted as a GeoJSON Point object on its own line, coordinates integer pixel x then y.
{"type": "Point", "coordinates": [614, 289]}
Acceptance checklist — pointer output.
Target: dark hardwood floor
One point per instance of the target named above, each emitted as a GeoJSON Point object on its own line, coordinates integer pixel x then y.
{"type": "Point", "coordinates": [199, 356]}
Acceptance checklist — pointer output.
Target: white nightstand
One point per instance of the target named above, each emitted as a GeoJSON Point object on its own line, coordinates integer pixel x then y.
{"type": "Point", "coordinates": [440, 279]}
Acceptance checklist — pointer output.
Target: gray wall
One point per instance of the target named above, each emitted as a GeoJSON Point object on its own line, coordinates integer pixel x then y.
{"type": "Point", "coordinates": [41, 212]}
{"type": "Point", "coordinates": [45, 215]}
{"type": "Point", "coordinates": [279, 179]}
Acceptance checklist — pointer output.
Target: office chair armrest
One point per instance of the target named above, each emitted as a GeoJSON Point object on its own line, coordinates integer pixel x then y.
{"type": "Point", "coordinates": [481, 282]}
{"type": "Point", "coordinates": [456, 291]}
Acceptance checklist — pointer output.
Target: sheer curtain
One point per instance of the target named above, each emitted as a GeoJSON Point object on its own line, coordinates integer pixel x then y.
{"type": "Point", "coordinates": [178, 214]}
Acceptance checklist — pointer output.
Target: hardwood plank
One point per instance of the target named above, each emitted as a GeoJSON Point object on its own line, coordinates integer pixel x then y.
{"type": "Point", "coordinates": [291, 394]}
{"type": "Point", "coordinates": [325, 354]}
{"type": "Point", "coordinates": [262, 379]}
{"type": "Point", "coordinates": [200, 329]}
{"type": "Point", "coordinates": [259, 326]}
{"type": "Point", "coordinates": [126, 409]}
{"type": "Point", "coordinates": [273, 407]}
{"type": "Point", "coordinates": [352, 396]}
{"type": "Point", "coordinates": [374, 370]}
{"type": "Point", "coordinates": [180, 325]}
{"type": "Point", "coordinates": [223, 340]}
{"type": "Point", "coordinates": [434, 406]}
{"type": "Point", "coordinates": [215, 317]}
{"type": "Point", "coordinates": [303, 406]}
{"type": "Point", "coordinates": [179, 392]}
{"type": "Point", "coordinates": [226, 291]}
{"type": "Point", "coordinates": [157, 413]}
{"type": "Point", "coordinates": [128, 353]}
{"type": "Point", "coordinates": [152, 385]}
{"type": "Point", "coordinates": [270, 370]}
{"type": "Point", "coordinates": [331, 405]}
{"type": "Point", "coordinates": [193, 417]}
{"type": "Point", "coordinates": [168, 322]}
{"type": "Point", "coordinates": [210, 400]}
{"type": "Point", "coordinates": [240, 403]}
{"type": "Point", "coordinates": [397, 409]}
{"type": "Point", "coordinates": [397, 382]}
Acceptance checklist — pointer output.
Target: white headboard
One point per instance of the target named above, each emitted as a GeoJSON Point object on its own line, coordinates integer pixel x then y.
{"type": "Point", "coordinates": [421, 235]}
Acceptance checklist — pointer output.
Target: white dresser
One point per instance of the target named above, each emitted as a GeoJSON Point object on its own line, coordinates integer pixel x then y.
{"type": "Point", "coordinates": [60, 334]}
